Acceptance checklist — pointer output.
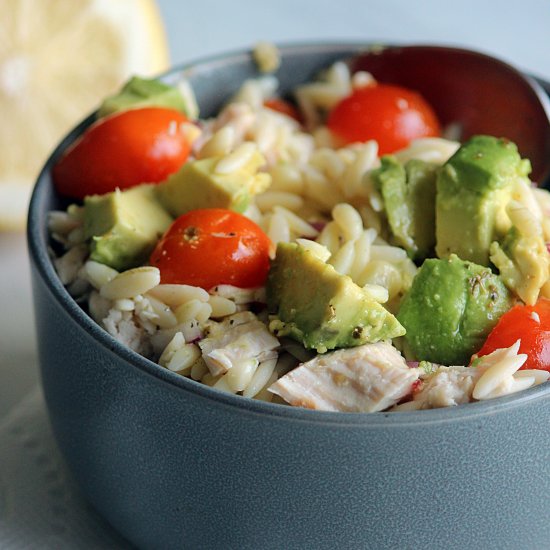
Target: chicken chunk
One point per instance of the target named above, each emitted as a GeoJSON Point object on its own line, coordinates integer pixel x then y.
{"type": "Point", "coordinates": [238, 342]}
{"type": "Point", "coordinates": [489, 376]}
{"type": "Point", "coordinates": [366, 378]}
{"type": "Point", "coordinates": [447, 386]}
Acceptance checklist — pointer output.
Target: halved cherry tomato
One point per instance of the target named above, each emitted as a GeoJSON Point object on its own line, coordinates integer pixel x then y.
{"type": "Point", "coordinates": [123, 150]}
{"type": "Point", "coordinates": [532, 325]}
{"type": "Point", "coordinates": [284, 107]}
{"type": "Point", "coordinates": [391, 115]}
{"type": "Point", "coordinates": [213, 246]}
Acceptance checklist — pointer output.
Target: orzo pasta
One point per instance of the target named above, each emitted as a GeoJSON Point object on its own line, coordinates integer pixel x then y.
{"type": "Point", "coordinates": [358, 281]}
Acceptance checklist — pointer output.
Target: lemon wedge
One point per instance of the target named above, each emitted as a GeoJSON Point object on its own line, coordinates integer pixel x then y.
{"type": "Point", "coordinates": [58, 59]}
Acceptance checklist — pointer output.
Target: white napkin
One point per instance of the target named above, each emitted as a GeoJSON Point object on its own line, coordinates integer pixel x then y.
{"type": "Point", "coordinates": [40, 506]}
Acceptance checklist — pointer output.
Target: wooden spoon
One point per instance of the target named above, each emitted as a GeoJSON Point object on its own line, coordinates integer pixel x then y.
{"type": "Point", "coordinates": [476, 92]}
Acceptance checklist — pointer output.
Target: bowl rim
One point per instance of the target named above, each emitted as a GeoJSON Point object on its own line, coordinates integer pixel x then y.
{"type": "Point", "coordinates": [42, 264]}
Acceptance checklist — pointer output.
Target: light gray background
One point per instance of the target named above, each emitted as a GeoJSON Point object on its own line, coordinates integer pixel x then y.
{"type": "Point", "coordinates": [518, 32]}
{"type": "Point", "coordinates": [514, 30]}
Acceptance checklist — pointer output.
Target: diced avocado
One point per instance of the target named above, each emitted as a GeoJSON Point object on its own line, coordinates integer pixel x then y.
{"type": "Point", "coordinates": [321, 308]}
{"type": "Point", "coordinates": [523, 263]}
{"type": "Point", "coordinates": [450, 309]}
{"type": "Point", "coordinates": [142, 92]}
{"type": "Point", "coordinates": [124, 226]}
{"type": "Point", "coordinates": [473, 188]}
{"type": "Point", "coordinates": [409, 201]}
{"type": "Point", "coordinates": [422, 181]}
{"type": "Point", "coordinates": [198, 184]}
{"type": "Point", "coordinates": [391, 180]}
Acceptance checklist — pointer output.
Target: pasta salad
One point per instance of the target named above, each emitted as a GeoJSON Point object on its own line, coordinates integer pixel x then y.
{"type": "Point", "coordinates": [331, 250]}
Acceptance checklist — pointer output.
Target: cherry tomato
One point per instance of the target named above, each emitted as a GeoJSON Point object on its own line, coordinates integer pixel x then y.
{"type": "Point", "coordinates": [532, 325]}
{"type": "Point", "coordinates": [123, 150]}
{"type": "Point", "coordinates": [284, 107]}
{"type": "Point", "coordinates": [391, 115]}
{"type": "Point", "coordinates": [213, 246]}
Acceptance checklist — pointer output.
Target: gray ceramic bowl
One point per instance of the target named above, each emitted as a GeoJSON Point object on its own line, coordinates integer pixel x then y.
{"type": "Point", "coordinates": [173, 464]}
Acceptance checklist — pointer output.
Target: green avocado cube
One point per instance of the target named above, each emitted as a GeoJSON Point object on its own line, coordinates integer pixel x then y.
{"type": "Point", "coordinates": [450, 309]}
{"type": "Point", "coordinates": [408, 193]}
{"type": "Point", "coordinates": [319, 307]}
{"type": "Point", "coordinates": [142, 92]}
{"type": "Point", "coordinates": [473, 188]}
{"type": "Point", "coordinates": [523, 263]}
{"type": "Point", "coordinates": [124, 226]}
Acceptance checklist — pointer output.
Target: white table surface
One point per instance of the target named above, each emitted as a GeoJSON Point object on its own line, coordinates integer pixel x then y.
{"type": "Point", "coordinates": [518, 32]}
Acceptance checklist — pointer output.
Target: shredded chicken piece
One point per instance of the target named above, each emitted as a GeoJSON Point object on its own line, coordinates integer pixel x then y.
{"type": "Point", "coordinates": [366, 378]}
{"type": "Point", "coordinates": [238, 342]}
{"type": "Point", "coordinates": [446, 387]}
{"type": "Point", "coordinates": [122, 326]}
{"type": "Point", "coordinates": [492, 375]}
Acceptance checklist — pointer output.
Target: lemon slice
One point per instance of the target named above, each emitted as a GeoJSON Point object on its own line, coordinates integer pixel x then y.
{"type": "Point", "coordinates": [58, 59]}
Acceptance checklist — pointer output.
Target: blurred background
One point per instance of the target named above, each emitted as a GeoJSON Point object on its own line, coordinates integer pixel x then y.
{"type": "Point", "coordinates": [517, 32]}
{"type": "Point", "coordinates": [58, 58]}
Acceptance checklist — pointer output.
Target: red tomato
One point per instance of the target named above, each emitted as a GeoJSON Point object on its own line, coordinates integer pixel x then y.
{"type": "Point", "coordinates": [532, 325]}
{"type": "Point", "coordinates": [213, 246]}
{"type": "Point", "coordinates": [284, 107]}
{"type": "Point", "coordinates": [391, 115]}
{"type": "Point", "coordinates": [123, 150]}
